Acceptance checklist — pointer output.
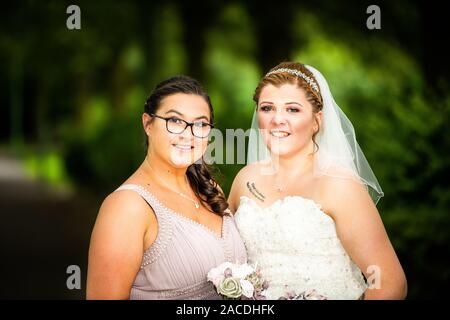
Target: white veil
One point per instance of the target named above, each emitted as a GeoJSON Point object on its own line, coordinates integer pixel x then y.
{"type": "Point", "coordinates": [339, 154]}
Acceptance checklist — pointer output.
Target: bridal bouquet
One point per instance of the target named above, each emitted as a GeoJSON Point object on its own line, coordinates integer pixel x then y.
{"type": "Point", "coordinates": [238, 281]}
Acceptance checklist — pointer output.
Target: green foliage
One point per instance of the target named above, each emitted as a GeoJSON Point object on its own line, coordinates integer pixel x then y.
{"type": "Point", "coordinates": [231, 78]}
{"type": "Point", "coordinates": [46, 166]}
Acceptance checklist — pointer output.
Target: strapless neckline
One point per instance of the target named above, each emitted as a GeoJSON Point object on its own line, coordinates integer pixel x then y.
{"type": "Point", "coordinates": [295, 243]}
{"type": "Point", "coordinates": [282, 201]}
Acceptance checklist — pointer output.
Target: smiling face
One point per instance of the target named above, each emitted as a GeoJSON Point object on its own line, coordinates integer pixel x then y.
{"type": "Point", "coordinates": [286, 119]}
{"type": "Point", "coordinates": [183, 149]}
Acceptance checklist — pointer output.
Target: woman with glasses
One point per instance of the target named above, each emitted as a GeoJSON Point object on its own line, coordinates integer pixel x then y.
{"type": "Point", "coordinates": [158, 235]}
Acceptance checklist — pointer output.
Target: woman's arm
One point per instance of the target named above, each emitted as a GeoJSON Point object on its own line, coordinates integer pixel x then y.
{"type": "Point", "coordinates": [362, 233]}
{"type": "Point", "coordinates": [116, 246]}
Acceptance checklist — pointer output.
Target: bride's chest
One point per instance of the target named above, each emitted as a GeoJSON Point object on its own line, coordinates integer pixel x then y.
{"type": "Point", "coordinates": [290, 224]}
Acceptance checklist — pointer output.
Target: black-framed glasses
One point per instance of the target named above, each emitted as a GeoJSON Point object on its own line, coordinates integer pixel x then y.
{"type": "Point", "coordinates": [199, 129]}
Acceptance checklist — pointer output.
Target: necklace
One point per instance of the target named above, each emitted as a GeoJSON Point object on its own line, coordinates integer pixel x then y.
{"type": "Point", "coordinates": [181, 194]}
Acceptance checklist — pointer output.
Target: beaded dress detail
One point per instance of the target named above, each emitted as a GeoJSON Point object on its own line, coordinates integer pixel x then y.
{"type": "Point", "coordinates": [176, 264]}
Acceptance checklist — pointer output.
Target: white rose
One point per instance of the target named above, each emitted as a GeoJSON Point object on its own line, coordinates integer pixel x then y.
{"type": "Point", "coordinates": [242, 271]}
{"type": "Point", "coordinates": [247, 288]}
{"type": "Point", "coordinates": [225, 265]}
{"type": "Point", "coordinates": [215, 276]}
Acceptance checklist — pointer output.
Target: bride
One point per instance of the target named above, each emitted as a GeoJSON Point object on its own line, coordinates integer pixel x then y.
{"type": "Point", "coordinates": [305, 204]}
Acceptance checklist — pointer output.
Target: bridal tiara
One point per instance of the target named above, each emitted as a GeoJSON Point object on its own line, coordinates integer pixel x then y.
{"type": "Point", "coordinates": [299, 74]}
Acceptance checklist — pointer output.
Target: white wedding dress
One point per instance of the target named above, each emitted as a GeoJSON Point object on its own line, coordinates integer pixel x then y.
{"type": "Point", "coordinates": [295, 245]}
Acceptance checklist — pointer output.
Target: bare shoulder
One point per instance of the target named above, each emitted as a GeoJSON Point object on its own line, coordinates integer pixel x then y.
{"type": "Point", "coordinates": [116, 245]}
{"type": "Point", "coordinates": [341, 181]}
{"type": "Point", "coordinates": [124, 201]}
{"type": "Point", "coordinates": [120, 226]}
{"type": "Point", "coordinates": [344, 194]}
{"type": "Point", "coordinates": [249, 172]}
{"type": "Point", "coordinates": [124, 207]}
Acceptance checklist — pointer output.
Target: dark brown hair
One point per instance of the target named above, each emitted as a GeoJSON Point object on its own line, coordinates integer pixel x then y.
{"type": "Point", "coordinates": [279, 78]}
{"type": "Point", "coordinates": [199, 174]}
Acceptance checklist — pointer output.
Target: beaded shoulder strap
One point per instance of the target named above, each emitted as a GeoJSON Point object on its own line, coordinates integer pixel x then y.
{"type": "Point", "coordinates": [165, 229]}
{"type": "Point", "coordinates": [157, 206]}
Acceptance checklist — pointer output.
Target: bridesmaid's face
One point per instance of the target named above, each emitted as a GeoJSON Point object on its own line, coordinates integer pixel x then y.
{"type": "Point", "coordinates": [183, 149]}
{"type": "Point", "coordinates": [287, 119]}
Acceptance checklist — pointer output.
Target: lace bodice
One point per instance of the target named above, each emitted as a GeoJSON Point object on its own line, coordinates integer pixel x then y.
{"type": "Point", "coordinates": [296, 246]}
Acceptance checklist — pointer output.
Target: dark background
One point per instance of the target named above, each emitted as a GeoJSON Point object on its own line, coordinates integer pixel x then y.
{"type": "Point", "coordinates": [71, 102]}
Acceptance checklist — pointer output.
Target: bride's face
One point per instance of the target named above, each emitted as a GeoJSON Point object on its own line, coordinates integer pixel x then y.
{"type": "Point", "coordinates": [287, 120]}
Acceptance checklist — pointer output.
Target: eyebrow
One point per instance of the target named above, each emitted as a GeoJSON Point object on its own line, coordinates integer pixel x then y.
{"type": "Point", "coordinates": [293, 102]}
{"type": "Point", "coordinates": [179, 113]}
{"type": "Point", "coordinates": [290, 102]}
